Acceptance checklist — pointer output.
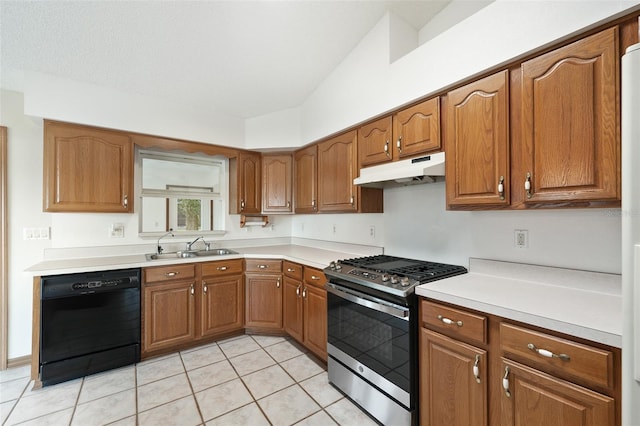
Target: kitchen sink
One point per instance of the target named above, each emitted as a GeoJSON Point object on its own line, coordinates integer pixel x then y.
{"type": "Point", "coordinates": [189, 253]}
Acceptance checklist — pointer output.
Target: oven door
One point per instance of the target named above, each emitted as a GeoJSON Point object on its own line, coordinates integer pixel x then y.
{"type": "Point", "coordinates": [371, 337]}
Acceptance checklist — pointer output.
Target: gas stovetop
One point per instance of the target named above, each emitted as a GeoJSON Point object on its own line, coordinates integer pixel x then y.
{"type": "Point", "coordinates": [389, 274]}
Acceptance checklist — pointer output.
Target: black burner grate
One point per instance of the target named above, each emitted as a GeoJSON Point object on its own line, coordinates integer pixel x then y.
{"type": "Point", "coordinates": [419, 270]}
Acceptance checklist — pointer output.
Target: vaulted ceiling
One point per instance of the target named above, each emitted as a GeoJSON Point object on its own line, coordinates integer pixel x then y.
{"type": "Point", "coordinates": [241, 58]}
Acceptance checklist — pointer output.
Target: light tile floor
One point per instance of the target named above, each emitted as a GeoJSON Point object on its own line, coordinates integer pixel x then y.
{"type": "Point", "coordinates": [245, 380]}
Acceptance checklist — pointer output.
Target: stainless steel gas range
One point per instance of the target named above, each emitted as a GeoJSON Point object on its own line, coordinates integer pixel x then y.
{"type": "Point", "coordinates": [373, 332]}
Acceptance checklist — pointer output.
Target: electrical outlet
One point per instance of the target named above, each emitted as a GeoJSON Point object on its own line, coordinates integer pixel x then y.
{"type": "Point", "coordinates": [116, 230]}
{"type": "Point", "coordinates": [372, 232]}
{"type": "Point", "coordinates": [334, 228]}
{"type": "Point", "coordinates": [521, 238]}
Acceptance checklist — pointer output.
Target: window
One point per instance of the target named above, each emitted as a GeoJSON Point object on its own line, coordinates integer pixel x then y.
{"type": "Point", "coordinates": [185, 193]}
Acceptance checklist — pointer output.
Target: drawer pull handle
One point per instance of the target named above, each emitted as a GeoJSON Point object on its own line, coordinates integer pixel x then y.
{"type": "Point", "coordinates": [505, 382]}
{"type": "Point", "coordinates": [315, 278]}
{"type": "Point", "coordinates": [476, 369]}
{"type": "Point", "coordinates": [192, 289]}
{"type": "Point", "coordinates": [449, 321]}
{"type": "Point", "coordinates": [304, 293]}
{"type": "Point", "coordinates": [298, 290]}
{"type": "Point", "coordinates": [290, 270]}
{"type": "Point", "coordinates": [548, 354]}
{"type": "Point", "coordinates": [170, 274]}
{"type": "Point", "coordinates": [221, 268]}
{"type": "Point", "coordinates": [262, 266]}
{"type": "Point", "coordinates": [278, 283]}
{"type": "Point", "coordinates": [204, 287]}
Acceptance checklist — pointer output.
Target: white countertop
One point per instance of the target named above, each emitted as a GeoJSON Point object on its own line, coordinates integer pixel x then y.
{"type": "Point", "coordinates": [579, 303]}
{"type": "Point", "coordinates": [310, 256]}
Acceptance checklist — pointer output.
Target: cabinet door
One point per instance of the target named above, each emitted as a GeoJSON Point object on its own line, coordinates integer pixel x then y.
{"type": "Point", "coordinates": [531, 397]}
{"type": "Point", "coordinates": [337, 167]}
{"type": "Point", "coordinates": [306, 174]}
{"type": "Point", "coordinates": [245, 188]}
{"type": "Point", "coordinates": [292, 308]}
{"type": "Point", "coordinates": [169, 315]}
{"type": "Point", "coordinates": [477, 142]}
{"type": "Point", "coordinates": [450, 393]}
{"type": "Point", "coordinates": [315, 320]}
{"type": "Point", "coordinates": [87, 169]}
{"type": "Point", "coordinates": [222, 307]}
{"type": "Point", "coordinates": [416, 129]}
{"type": "Point", "coordinates": [375, 142]}
{"type": "Point", "coordinates": [277, 183]}
{"type": "Point", "coordinates": [263, 301]}
{"type": "Point", "coordinates": [570, 127]}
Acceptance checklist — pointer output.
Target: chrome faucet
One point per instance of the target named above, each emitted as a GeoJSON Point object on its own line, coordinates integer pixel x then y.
{"type": "Point", "coordinates": [159, 248]}
{"type": "Point", "coordinates": [206, 244]}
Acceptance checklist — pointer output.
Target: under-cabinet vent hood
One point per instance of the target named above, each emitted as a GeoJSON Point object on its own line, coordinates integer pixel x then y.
{"type": "Point", "coordinates": [424, 169]}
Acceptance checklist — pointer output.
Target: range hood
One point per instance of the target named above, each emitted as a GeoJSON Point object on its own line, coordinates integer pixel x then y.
{"type": "Point", "coordinates": [425, 169]}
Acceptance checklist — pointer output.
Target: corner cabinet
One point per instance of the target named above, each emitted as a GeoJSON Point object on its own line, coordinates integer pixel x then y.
{"type": "Point", "coordinates": [245, 183]}
{"type": "Point", "coordinates": [263, 289]}
{"type": "Point", "coordinates": [337, 168]}
{"type": "Point", "coordinates": [277, 183]}
{"type": "Point", "coordinates": [87, 169]}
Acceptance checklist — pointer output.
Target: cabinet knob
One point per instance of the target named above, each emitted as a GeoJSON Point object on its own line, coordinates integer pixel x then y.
{"type": "Point", "coordinates": [527, 185]}
{"type": "Point", "coordinates": [278, 283]}
{"type": "Point", "coordinates": [192, 289]}
{"type": "Point", "coordinates": [548, 354]}
{"type": "Point", "coordinates": [304, 293]}
{"type": "Point", "coordinates": [298, 290]}
{"type": "Point", "coordinates": [505, 382]}
{"type": "Point", "coordinates": [204, 287]}
{"type": "Point", "coordinates": [449, 321]}
{"type": "Point", "coordinates": [241, 205]}
{"type": "Point", "coordinates": [476, 369]}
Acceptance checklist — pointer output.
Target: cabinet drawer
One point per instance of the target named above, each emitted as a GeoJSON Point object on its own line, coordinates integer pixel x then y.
{"type": "Point", "coordinates": [293, 270]}
{"type": "Point", "coordinates": [169, 273]}
{"type": "Point", "coordinates": [562, 357]}
{"type": "Point", "coordinates": [454, 322]}
{"type": "Point", "coordinates": [315, 277]}
{"type": "Point", "coordinates": [263, 265]}
{"type": "Point", "coordinates": [222, 267]}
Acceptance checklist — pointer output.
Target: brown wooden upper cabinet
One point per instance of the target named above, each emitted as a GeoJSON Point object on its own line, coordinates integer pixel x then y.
{"type": "Point", "coordinates": [545, 134]}
{"type": "Point", "coordinates": [245, 190]}
{"type": "Point", "coordinates": [306, 179]}
{"type": "Point", "coordinates": [337, 167]}
{"type": "Point", "coordinates": [477, 142]}
{"type": "Point", "coordinates": [277, 182]}
{"type": "Point", "coordinates": [87, 169]}
{"type": "Point", "coordinates": [570, 122]}
{"type": "Point", "coordinates": [408, 133]}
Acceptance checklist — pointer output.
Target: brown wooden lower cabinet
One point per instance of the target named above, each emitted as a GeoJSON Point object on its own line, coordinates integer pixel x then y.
{"type": "Point", "coordinates": [452, 395]}
{"type": "Point", "coordinates": [186, 303]}
{"type": "Point", "coordinates": [263, 285]}
{"type": "Point", "coordinates": [304, 307]}
{"type": "Point", "coordinates": [480, 369]}
{"type": "Point", "coordinates": [531, 397]}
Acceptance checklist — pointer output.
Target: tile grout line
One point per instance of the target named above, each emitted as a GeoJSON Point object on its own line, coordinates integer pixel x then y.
{"type": "Point", "coordinates": [193, 393]}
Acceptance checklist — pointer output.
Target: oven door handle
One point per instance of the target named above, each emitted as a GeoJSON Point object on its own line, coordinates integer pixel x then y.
{"type": "Point", "coordinates": [363, 300]}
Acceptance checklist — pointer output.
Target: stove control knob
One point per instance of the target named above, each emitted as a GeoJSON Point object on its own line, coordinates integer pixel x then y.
{"type": "Point", "coordinates": [394, 279]}
{"type": "Point", "coordinates": [385, 278]}
{"type": "Point", "coordinates": [338, 266]}
{"type": "Point", "coordinates": [332, 265]}
{"type": "Point", "coordinates": [404, 281]}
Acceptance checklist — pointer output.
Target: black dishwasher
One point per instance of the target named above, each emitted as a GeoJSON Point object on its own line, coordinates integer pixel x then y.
{"type": "Point", "coordinates": [89, 322]}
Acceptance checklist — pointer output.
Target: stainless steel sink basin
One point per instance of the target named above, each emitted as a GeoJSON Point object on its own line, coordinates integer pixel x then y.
{"type": "Point", "coordinates": [189, 253]}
